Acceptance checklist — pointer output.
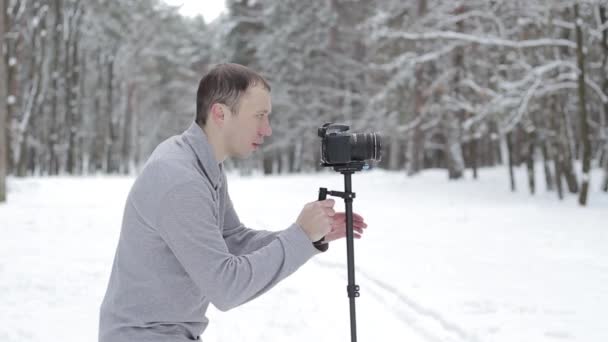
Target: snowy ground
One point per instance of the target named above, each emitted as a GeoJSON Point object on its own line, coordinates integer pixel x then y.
{"type": "Point", "coordinates": [441, 261]}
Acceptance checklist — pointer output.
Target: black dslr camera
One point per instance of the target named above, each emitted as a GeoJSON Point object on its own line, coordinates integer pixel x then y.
{"type": "Point", "coordinates": [341, 149]}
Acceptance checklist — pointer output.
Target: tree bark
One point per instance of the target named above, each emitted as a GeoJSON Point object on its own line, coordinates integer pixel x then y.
{"type": "Point", "coordinates": [453, 147]}
{"type": "Point", "coordinates": [414, 151]}
{"type": "Point", "coordinates": [604, 20]}
{"type": "Point", "coordinates": [267, 162]}
{"type": "Point", "coordinates": [72, 86]}
{"type": "Point", "coordinates": [3, 108]}
{"type": "Point", "coordinates": [394, 152]}
{"type": "Point", "coordinates": [580, 57]}
{"type": "Point", "coordinates": [98, 159]}
{"type": "Point", "coordinates": [454, 153]}
{"type": "Point", "coordinates": [558, 177]}
{"type": "Point", "coordinates": [127, 142]}
{"type": "Point", "coordinates": [530, 162]}
{"type": "Point", "coordinates": [473, 155]}
{"type": "Point", "coordinates": [509, 139]}
{"type": "Point", "coordinates": [110, 141]}
{"type": "Point", "coordinates": [545, 149]}
{"type": "Point", "coordinates": [565, 145]}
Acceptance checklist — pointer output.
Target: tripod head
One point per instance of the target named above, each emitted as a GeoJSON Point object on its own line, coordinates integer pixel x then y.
{"type": "Point", "coordinates": [351, 167]}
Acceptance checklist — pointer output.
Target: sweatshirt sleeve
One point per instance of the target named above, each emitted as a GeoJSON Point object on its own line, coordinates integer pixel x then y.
{"type": "Point", "coordinates": [187, 221]}
{"type": "Point", "coordinates": [240, 239]}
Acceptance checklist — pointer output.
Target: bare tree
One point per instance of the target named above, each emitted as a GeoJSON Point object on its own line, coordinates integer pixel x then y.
{"type": "Point", "coordinates": [3, 109]}
{"type": "Point", "coordinates": [450, 84]}
{"type": "Point", "coordinates": [603, 13]}
{"type": "Point", "coordinates": [582, 103]}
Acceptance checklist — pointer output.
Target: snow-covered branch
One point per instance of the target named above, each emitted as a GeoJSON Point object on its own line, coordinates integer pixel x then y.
{"type": "Point", "coordinates": [482, 40]}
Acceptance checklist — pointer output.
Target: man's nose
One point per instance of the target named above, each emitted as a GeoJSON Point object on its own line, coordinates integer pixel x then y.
{"type": "Point", "coordinates": [266, 130]}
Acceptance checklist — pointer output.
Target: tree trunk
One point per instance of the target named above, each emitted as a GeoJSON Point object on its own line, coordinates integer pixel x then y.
{"type": "Point", "coordinates": [605, 181]}
{"type": "Point", "coordinates": [127, 142]}
{"type": "Point", "coordinates": [394, 160]}
{"type": "Point", "coordinates": [565, 146]}
{"type": "Point", "coordinates": [12, 41]}
{"type": "Point", "coordinates": [57, 30]}
{"type": "Point", "coordinates": [24, 156]}
{"type": "Point", "coordinates": [558, 177]}
{"type": "Point", "coordinates": [284, 160]}
{"type": "Point", "coordinates": [604, 20]}
{"type": "Point", "coordinates": [530, 163]}
{"type": "Point", "coordinates": [72, 87]}
{"type": "Point", "coordinates": [473, 155]}
{"type": "Point", "coordinates": [545, 148]}
{"type": "Point", "coordinates": [98, 160]}
{"type": "Point", "coordinates": [3, 108]}
{"type": "Point", "coordinates": [453, 148]}
{"type": "Point", "coordinates": [414, 151]}
{"type": "Point", "coordinates": [580, 57]}
{"type": "Point", "coordinates": [454, 153]}
{"type": "Point", "coordinates": [267, 163]}
{"type": "Point", "coordinates": [110, 140]}
{"type": "Point", "coordinates": [566, 150]}
{"type": "Point", "coordinates": [509, 139]}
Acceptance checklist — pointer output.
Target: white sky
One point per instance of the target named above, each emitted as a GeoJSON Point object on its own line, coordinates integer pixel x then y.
{"type": "Point", "coordinates": [210, 9]}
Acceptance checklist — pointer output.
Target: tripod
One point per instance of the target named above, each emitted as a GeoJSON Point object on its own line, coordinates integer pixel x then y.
{"type": "Point", "coordinates": [352, 289]}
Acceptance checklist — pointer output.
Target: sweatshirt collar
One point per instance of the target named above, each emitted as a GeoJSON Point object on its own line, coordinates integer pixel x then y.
{"type": "Point", "coordinates": [197, 139]}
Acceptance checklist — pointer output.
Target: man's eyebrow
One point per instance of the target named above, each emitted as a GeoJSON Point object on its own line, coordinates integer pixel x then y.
{"type": "Point", "coordinates": [265, 111]}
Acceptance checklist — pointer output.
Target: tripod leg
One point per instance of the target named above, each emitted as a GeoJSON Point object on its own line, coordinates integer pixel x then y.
{"type": "Point", "coordinates": [352, 288]}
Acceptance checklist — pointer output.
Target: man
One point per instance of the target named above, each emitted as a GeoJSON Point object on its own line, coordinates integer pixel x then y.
{"type": "Point", "coordinates": [182, 245]}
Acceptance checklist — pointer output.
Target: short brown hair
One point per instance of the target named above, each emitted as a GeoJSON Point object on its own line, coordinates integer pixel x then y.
{"type": "Point", "coordinates": [225, 83]}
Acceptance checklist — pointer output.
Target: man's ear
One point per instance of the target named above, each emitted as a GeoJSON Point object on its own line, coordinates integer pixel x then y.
{"type": "Point", "coordinates": [217, 113]}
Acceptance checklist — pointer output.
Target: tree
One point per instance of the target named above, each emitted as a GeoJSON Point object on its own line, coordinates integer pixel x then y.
{"type": "Point", "coordinates": [313, 54]}
{"type": "Point", "coordinates": [82, 73]}
{"type": "Point", "coordinates": [582, 103]}
{"type": "Point", "coordinates": [3, 109]}
{"type": "Point", "coordinates": [603, 14]}
{"type": "Point", "coordinates": [457, 85]}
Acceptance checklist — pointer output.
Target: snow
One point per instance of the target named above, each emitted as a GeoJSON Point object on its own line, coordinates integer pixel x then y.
{"type": "Point", "coordinates": [440, 261]}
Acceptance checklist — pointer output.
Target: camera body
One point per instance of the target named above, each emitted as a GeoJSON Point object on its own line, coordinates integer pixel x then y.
{"type": "Point", "coordinates": [339, 147]}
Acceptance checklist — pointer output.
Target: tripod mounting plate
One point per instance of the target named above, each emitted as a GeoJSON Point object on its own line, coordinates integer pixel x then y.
{"type": "Point", "coordinates": [351, 167]}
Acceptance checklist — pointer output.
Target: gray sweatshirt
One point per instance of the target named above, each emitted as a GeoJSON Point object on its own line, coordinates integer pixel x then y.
{"type": "Point", "coordinates": [182, 247]}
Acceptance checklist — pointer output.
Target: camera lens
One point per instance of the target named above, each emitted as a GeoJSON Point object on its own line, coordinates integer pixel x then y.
{"type": "Point", "coordinates": [366, 146]}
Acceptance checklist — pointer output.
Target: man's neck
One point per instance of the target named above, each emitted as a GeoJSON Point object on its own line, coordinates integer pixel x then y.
{"type": "Point", "coordinates": [216, 143]}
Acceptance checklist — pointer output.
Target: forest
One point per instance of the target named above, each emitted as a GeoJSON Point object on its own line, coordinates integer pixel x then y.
{"type": "Point", "coordinates": [91, 87]}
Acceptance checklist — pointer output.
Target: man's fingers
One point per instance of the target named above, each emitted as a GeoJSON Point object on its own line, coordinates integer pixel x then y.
{"type": "Point", "coordinates": [339, 220]}
{"type": "Point", "coordinates": [339, 235]}
{"type": "Point", "coordinates": [329, 203]}
{"type": "Point", "coordinates": [342, 228]}
{"type": "Point", "coordinates": [356, 217]}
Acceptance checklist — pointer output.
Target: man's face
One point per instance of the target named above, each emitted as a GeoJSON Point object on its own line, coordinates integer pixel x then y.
{"type": "Point", "coordinates": [246, 131]}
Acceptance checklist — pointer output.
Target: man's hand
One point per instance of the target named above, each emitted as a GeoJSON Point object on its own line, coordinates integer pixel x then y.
{"type": "Point", "coordinates": [316, 218]}
{"type": "Point", "coordinates": [338, 227]}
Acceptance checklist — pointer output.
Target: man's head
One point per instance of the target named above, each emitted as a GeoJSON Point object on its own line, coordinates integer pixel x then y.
{"type": "Point", "coordinates": [232, 106]}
